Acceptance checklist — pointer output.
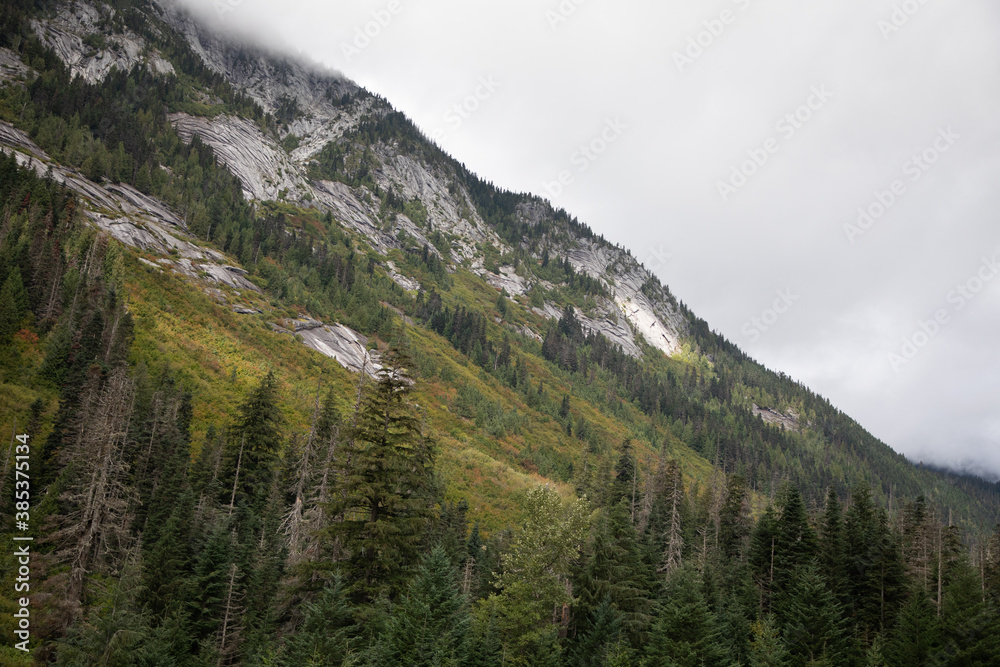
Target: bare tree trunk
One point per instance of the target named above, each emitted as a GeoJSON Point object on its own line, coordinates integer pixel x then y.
{"type": "Point", "coordinates": [470, 562]}
{"type": "Point", "coordinates": [236, 478]}
{"type": "Point", "coordinates": [982, 567]}
{"type": "Point", "coordinates": [675, 539]}
{"type": "Point", "coordinates": [230, 609]}
{"type": "Point", "coordinates": [102, 509]}
{"type": "Point", "coordinates": [294, 522]}
{"type": "Point", "coordinates": [635, 467]}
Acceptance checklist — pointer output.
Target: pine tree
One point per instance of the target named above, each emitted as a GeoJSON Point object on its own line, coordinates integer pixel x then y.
{"type": "Point", "coordinates": [599, 637]}
{"type": "Point", "coordinates": [919, 532]}
{"type": "Point", "coordinates": [449, 531]}
{"type": "Point", "coordinates": [473, 556]}
{"type": "Point", "coordinates": [875, 657]}
{"type": "Point", "coordinates": [204, 592]}
{"type": "Point", "coordinates": [323, 638]}
{"type": "Point", "coordinates": [814, 626]}
{"type": "Point", "coordinates": [874, 567]}
{"type": "Point", "coordinates": [763, 545]}
{"type": "Point", "coordinates": [430, 626]}
{"type": "Point", "coordinates": [795, 545]}
{"type": "Point", "coordinates": [254, 445]}
{"type": "Point", "coordinates": [767, 648]}
{"type": "Point", "coordinates": [115, 632]}
{"type": "Point", "coordinates": [967, 622]}
{"type": "Point", "coordinates": [13, 306]}
{"type": "Point", "coordinates": [734, 519]}
{"type": "Point", "coordinates": [917, 635]}
{"type": "Point", "coordinates": [261, 570]}
{"type": "Point", "coordinates": [666, 526]}
{"type": "Point", "coordinates": [387, 490]}
{"type": "Point", "coordinates": [486, 649]}
{"type": "Point", "coordinates": [832, 552]}
{"type": "Point", "coordinates": [685, 632]}
{"type": "Point", "coordinates": [624, 486]}
{"type": "Point", "coordinates": [616, 571]}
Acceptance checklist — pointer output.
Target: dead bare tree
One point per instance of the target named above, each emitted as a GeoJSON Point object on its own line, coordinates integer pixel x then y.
{"type": "Point", "coordinates": [229, 632]}
{"type": "Point", "coordinates": [674, 496]}
{"type": "Point", "coordinates": [294, 523]}
{"type": "Point", "coordinates": [99, 495]}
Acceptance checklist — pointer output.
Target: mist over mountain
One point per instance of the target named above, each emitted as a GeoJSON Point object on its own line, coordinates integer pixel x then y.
{"type": "Point", "coordinates": [655, 189]}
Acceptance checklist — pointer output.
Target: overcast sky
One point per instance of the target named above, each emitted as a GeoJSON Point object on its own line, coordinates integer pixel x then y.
{"type": "Point", "coordinates": [730, 144]}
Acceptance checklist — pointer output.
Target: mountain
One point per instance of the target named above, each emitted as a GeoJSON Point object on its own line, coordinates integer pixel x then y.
{"type": "Point", "coordinates": [205, 244]}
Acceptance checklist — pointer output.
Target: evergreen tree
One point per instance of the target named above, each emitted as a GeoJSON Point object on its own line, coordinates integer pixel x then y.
{"type": "Point", "coordinates": [486, 649]}
{"type": "Point", "coordinates": [115, 632]}
{"type": "Point", "coordinates": [387, 490]}
{"type": "Point", "coordinates": [967, 623]}
{"type": "Point", "coordinates": [832, 551]}
{"type": "Point", "coordinates": [814, 627]}
{"type": "Point", "coordinates": [763, 546]}
{"type": "Point", "coordinates": [598, 637]}
{"type": "Point", "coordinates": [875, 657]}
{"type": "Point", "coordinates": [204, 592]}
{"type": "Point", "coordinates": [767, 648]}
{"type": "Point", "coordinates": [323, 638]}
{"type": "Point", "coordinates": [734, 519]}
{"type": "Point", "coordinates": [684, 633]}
{"type": "Point", "coordinates": [254, 446]}
{"type": "Point", "coordinates": [449, 531]}
{"type": "Point", "coordinates": [795, 541]}
{"type": "Point", "coordinates": [430, 626]}
{"type": "Point", "coordinates": [917, 636]}
{"type": "Point", "coordinates": [616, 571]}
{"type": "Point", "coordinates": [665, 527]}
{"type": "Point", "coordinates": [13, 306]}
{"type": "Point", "coordinates": [624, 486]}
{"type": "Point", "coordinates": [874, 567]}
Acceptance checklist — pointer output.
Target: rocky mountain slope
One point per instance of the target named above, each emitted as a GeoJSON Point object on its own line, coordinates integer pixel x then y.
{"type": "Point", "coordinates": [322, 148]}
{"type": "Point", "coordinates": [268, 172]}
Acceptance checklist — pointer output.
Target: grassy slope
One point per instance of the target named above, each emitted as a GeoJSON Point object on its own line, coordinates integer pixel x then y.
{"type": "Point", "coordinates": [219, 355]}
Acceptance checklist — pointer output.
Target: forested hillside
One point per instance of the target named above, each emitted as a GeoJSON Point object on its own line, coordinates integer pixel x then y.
{"type": "Point", "coordinates": [288, 385]}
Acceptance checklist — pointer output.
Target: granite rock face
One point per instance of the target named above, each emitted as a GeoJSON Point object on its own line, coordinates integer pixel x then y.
{"type": "Point", "coordinates": [344, 345]}
{"type": "Point", "coordinates": [319, 106]}
{"type": "Point", "coordinates": [261, 165]}
{"type": "Point", "coordinates": [79, 38]}
{"type": "Point", "coordinates": [11, 67]}
{"type": "Point", "coordinates": [134, 218]}
{"type": "Point", "coordinates": [784, 420]}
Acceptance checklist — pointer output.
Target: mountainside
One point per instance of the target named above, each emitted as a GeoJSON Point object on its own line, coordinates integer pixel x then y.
{"type": "Point", "coordinates": [184, 215]}
{"type": "Point", "coordinates": [315, 145]}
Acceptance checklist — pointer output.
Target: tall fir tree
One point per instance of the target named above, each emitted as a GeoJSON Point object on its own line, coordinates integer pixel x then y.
{"type": "Point", "coordinates": [917, 634]}
{"type": "Point", "coordinates": [254, 446]}
{"type": "Point", "coordinates": [616, 571]}
{"type": "Point", "coordinates": [832, 552]}
{"type": "Point", "coordinates": [874, 567]}
{"type": "Point", "coordinates": [387, 490]}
